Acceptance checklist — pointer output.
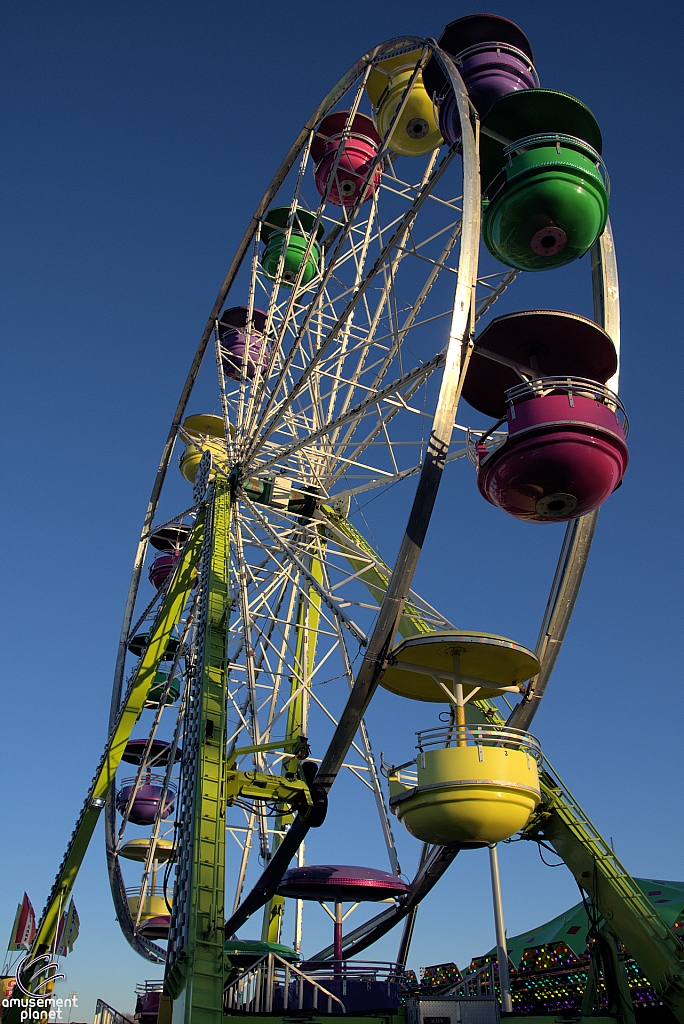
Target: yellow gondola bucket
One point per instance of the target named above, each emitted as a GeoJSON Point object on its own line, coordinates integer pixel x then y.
{"type": "Point", "coordinates": [482, 792]}
{"type": "Point", "coordinates": [416, 132]}
{"type": "Point", "coordinates": [207, 433]}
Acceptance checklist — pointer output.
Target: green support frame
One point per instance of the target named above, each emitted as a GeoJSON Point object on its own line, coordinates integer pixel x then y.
{"type": "Point", "coordinates": [166, 620]}
{"type": "Point", "coordinates": [375, 576]}
{"type": "Point", "coordinates": [629, 917]}
{"type": "Point", "coordinates": [625, 909]}
{"type": "Point", "coordinates": [308, 617]}
{"type": "Point", "coordinates": [197, 978]}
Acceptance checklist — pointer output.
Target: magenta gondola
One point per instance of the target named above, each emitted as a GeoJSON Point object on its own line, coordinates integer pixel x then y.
{"type": "Point", "coordinates": [170, 538]}
{"type": "Point", "coordinates": [359, 144]}
{"type": "Point", "coordinates": [540, 343]}
{"type": "Point", "coordinates": [161, 568]}
{"type": "Point", "coordinates": [566, 450]}
{"type": "Point", "coordinates": [341, 883]}
{"type": "Point", "coordinates": [156, 927]}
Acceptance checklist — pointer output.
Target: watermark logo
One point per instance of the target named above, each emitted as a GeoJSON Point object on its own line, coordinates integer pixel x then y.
{"type": "Point", "coordinates": [36, 1004]}
{"type": "Point", "coordinates": [27, 964]}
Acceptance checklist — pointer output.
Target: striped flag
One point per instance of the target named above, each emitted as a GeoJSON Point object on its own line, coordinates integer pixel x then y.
{"type": "Point", "coordinates": [68, 930]}
{"type": "Point", "coordinates": [24, 927]}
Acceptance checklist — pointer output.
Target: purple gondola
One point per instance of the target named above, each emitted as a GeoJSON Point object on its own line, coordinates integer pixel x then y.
{"type": "Point", "coordinates": [147, 799]}
{"type": "Point", "coordinates": [161, 569]}
{"type": "Point", "coordinates": [156, 927]}
{"type": "Point", "coordinates": [338, 883]}
{"type": "Point", "coordinates": [236, 335]}
{"type": "Point", "coordinates": [494, 58]}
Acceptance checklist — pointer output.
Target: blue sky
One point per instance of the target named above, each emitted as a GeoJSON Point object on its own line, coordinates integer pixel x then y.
{"type": "Point", "coordinates": [138, 138]}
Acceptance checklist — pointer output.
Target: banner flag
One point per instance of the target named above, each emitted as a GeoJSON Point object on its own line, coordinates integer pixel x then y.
{"type": "Point", "coordinates": [68, 930]}
{"type": "Point", "coordinates": [24, 927]}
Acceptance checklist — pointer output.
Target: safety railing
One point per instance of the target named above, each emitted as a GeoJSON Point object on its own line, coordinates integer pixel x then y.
{"type": "Point", "coordinates": [475, 443]}
{"type": "Point", "coordinates": [580, 387]}
{"type": "Point", "coordinates": [144, 987]}
{"type": "Point", "coordinates": [500, 47]}
{"type": "Point", "coordinates": [273, 984]}
{"type": "Point", "coordinates": [106, 1014]}
{"type": "Point", "coordinates": [355, 970]}
{"type": "Point", "coordinates": [133, 891]}
{"type": "Point", "coordinates": [480, 736]}
{"type": "Point", "coordinates": [148, 779]}
{"type": "Point", "coordinates": [559, 140]}
{"type": "Point", "coordinates": [476, 985]}
{"type": "Point", "coordinates": [559, 798]}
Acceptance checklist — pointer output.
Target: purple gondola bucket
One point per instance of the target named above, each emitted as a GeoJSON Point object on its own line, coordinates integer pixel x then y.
{"type": "Point", "coordinates": [236, 339]}
{"type": "Point", "coordinates": [341, 882]}
{"type": "Point", "coordinates": [489, 71]}
{"type": "Point", "coordinates": [565, 454]}
{"type": "Point", "coordinates": [146, 800]}
{"type": "Point", "coordinates": [494, 57]}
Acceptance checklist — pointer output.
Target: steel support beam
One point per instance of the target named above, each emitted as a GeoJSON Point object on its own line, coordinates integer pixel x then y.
{"type": "Point", "coordinates": [195, 978]}
{"type": "Point", "coordinates": [165, 622]}
{"type": "Point", "coordinates": [580, 532]}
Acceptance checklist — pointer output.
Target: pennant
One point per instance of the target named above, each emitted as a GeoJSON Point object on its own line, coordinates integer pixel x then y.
{"type": "Point", "coordinates": [60, 948]}
{"type": "Point", "coordinates": [68, 930]}
{"type": "Point", "coordinates": [24, 927]}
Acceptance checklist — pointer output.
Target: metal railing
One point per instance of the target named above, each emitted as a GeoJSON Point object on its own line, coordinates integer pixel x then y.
{"type": "Point", "coordinates": [559, 140]}
{"type": "Point", "coordinates": [145, 987]}
{"type": "Point", "coordinates": [273, 980]}
{"type": "Point", "coordinates": [580, 387]}
{"type": "Point", "coordinates": [148, 779]}
{"type": "Point", "coordinates": [355, 970]}
{"type": "Point", "coordinates": [479, 984]}
{"type": "Point", "coordinates": [106, 1014]}
{"type": "Point", "coordinates": [480, 736]}
{"type": "Point", "coordinates": [475, 444]}
{"type": "Point", "coordinates": [134, 891]}
{"type": "Point", "coordinates": [487, 47]}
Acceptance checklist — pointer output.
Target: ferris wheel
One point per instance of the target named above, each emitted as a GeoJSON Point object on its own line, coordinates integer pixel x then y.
{"type": "Point", "coordinates": [341, 339]}
{"type": "Point", "coordinates": [361, 256]}
{"type": "Point", "coordinates": [346, 333]}
{"type": "Point", "coordinates": [325, 392]}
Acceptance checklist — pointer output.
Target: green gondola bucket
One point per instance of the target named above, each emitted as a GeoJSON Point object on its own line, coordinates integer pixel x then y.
{"type": "Point", "coordinates": [159, 692]}
{"type": "Point", "coordinates": [545, 186]}
{"type": "Point", "coordinates": [274, 234]}
{"type": "Point", "coordinates": [551, 206]}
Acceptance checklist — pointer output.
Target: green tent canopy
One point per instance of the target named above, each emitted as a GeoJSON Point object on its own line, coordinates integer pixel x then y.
{"type": "Point", "coordinates": [572, 926]}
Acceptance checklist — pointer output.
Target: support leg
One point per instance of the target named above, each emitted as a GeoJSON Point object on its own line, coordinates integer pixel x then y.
{"type": "Point", "coordinates": [501, 951]}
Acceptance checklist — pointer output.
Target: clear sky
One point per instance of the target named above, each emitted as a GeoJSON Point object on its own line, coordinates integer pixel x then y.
{"type": "Point", "coordinates": [137, 140]}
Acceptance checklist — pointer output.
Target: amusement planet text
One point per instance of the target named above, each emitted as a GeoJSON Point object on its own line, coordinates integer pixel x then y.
{"type": "Point", "coordinates": [41, 1007]}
